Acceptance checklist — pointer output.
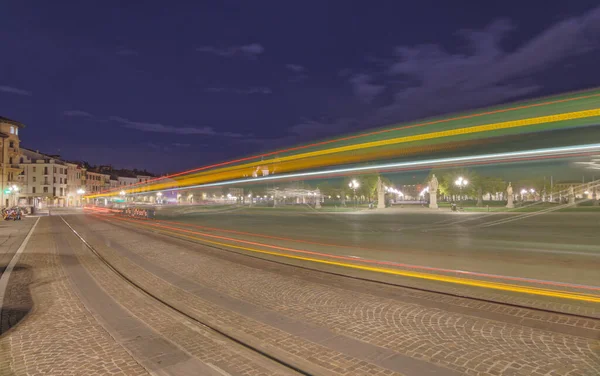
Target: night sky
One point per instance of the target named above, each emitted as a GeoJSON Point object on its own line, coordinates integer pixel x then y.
{"type": "Point", "coordinates": [170, 85]}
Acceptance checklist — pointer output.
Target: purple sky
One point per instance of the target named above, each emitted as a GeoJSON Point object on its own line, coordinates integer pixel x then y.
{"type": "Point", "coordinates": [169, 87]}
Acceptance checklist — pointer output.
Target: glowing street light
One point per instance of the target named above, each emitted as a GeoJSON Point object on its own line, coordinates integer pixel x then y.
{"type": "Point", "coordinates": [461, 183]}
{"type": "Point", "coordinates": [354, 185]}
{"type": "Point", "coordinates": [122, 193]}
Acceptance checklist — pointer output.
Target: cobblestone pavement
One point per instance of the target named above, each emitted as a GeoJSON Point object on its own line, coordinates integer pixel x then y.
{"type": "Point", "coordinates": [576, 307]}
{"type": "Point", "coordinates": [87, 321]}
{"type": "Point", "coordinates": [12, 234]}
{"type": "Point", "coordinates": [342, 327]}
{"type": "Point", "coordinates": [59, 336]}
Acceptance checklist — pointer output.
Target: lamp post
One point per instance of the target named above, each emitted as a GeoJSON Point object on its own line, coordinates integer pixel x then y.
{"type": "Point", "coordinates": [14, 190]}
{"type": "Point", "coordinates": [158, 196]}
{"type": "Point", "coordinates": [80, 192]}
{"type": "Point", "coordinates": [354, 185]}
{"type": "Point", "coordinates": [461, 183]}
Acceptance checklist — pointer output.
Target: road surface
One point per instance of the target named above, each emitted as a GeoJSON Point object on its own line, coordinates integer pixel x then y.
{"type": "Point", "coordinates": [135, 301]}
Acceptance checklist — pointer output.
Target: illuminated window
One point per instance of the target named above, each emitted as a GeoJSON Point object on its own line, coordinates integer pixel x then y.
{"type": "Point", "coordinates": [17, 131]}
{"type": "Point", "coordinates": [12, 130]}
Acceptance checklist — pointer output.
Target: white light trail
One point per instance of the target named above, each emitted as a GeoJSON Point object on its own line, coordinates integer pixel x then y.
{"type": "Point", "coordinates": [558, 151]}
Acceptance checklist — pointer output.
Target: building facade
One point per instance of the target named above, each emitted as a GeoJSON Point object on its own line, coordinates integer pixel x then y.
{"type": "Point", "coordinates": [96, 182]}
{"type": "Point", "coordinates": [43, 178]}
{"type": "Point", "coordinates": [125, 182]}
{"type": "Point", "coordinates": [9, 167]}
{"type": "Point", "coordinates": [75, 184]}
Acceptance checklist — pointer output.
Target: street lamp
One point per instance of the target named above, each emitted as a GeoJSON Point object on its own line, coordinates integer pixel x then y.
{"type": "Point", "coordinates": [158, 196]}
{"type": "Point", "coordinates": [80, 192]}
{"type": "Point", "coordinates": [461, 183]}
{"type": "Point", "coordinates": [14, 190]}
{"type": "Point", "coordinates": [354, 185]}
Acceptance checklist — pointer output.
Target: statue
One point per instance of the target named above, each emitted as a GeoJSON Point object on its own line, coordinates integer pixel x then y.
{"type": "Point", "coordinates": [571, 195]}
{"type": "Point", "coordinates": [433, 187]}
{"type": "Point", "coordinates": [509, 192]}
{"type": "Point", "coordinates": [380, 194]}
{"type": "Point", "coordinates": [318, 199]}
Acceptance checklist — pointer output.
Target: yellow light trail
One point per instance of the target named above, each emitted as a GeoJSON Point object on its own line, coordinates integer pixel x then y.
{"type": "Point", "coordinates": [404, 273]}
{"type": "Point", "coordinates": [215, 175]}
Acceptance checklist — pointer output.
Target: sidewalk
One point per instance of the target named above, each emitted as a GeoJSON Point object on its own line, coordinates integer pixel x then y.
{"type": "Point", "coordinates": [58, 335]}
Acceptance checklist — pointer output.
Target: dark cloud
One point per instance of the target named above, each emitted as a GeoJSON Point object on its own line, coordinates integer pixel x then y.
{"type": "Point", "coordinates": [77, 113]}
{"type": "Point", "coordinates": [306, 130]}
{"type": "Point", "coordinates": [364, 89]}
{"type": "Point", "coordinates": [433, 80]}
{"type": "Point", "coordinates": [295, 68]}
{"type": "Point", "coordinates": [162, 128]}
{"type": "Point", "coordinates": [13, 90]}
{"type": "Point", "coordinates": [248, 50]}
{"type": "Point", "coordinates": [252, 90]}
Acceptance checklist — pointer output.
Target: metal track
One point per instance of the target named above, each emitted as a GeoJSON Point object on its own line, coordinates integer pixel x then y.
{"type": "Point", "coordinates": [421, 289]}
{"type": "Point", "coordinates": [188, 316]}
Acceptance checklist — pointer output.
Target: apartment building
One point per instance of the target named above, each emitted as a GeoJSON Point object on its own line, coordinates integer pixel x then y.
{"type": "Point", "coordinates": [43, 179]}
{"type": "Point", "coordinates": [125, 181]}
{"type": "Point", "coordinates": [9, 154]}
{"type": "Point", "coordinates": [96, 182]}
{"type": "Point", "coordinates": [75, 184]}
{"type": "Point", "coordinates": [143, 178]}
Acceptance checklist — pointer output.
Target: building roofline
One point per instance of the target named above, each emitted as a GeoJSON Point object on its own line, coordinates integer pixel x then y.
{"type": "Point", "coordinates": [11, 121]}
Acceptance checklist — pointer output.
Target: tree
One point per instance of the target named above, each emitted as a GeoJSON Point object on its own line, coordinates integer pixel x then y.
{"type": "Point", "coordinates": [485, 184]}
{"type": "Point", "coordinates": [447, 179]}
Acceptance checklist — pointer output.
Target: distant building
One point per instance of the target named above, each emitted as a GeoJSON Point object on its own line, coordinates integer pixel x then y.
{"type": "Point", "coordinates": [125, 181]}
{"type": "Point", "coordinates": [9, 154]}
{"type": "Point", "coordinates": [75, 183]}
{"type": "Point", "coordinates": [143, 178]}
{"type": "Point", "coordinates": [96, 182]}
{"type": "Point", "coordinates": [43, 178]}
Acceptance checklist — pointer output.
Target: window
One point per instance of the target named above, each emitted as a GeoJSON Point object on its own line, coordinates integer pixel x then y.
{"type": "Point", "coordinates": [33, 190]}
{"type": "Point", "coordinates": [65, 180]}
{"type": "Point", "coordinates": [54, 191]}
{"type": "Point", "coordinates": [17, 131]}
{"type": "Point", "coordinates": [10, 160]}
{"type": "Point", "coordinates": [22, 160]}
{"type": "Point", "coordinates": [54, 179]}
{"type": "Point", "coordinates": [11, 144]}
{"type": "Point", "coordinates": [33, 168]}
{"type": "Point", "coordinates": [45, 189]}
{"type": "Point", "coordinates": [12, 130]}
{"type": "Point", "coordinates": [34, 179]}
{"type": "Point", "coordinates": [61, 191]}
{"type": "Point", "coordinates": [60, 180]}
{"type": "Point", "coordinates": [55, 170]}
{"type": "Point", "coordinates": [45, 170]}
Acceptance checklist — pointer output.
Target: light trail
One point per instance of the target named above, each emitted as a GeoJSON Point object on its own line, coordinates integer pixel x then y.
{"type": "Point", "coordinates": [291, 163]}
{"type": "Point", "coordinates": [365, 260]}
{"type": "Point", "coordinates": [293, 159]}
{"type": "Point", "coordinates": [372, 133]}
{"type": "Point", "coordinates": [440, 162]}
{"type": "Point", "coordinates": [404, 273]}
